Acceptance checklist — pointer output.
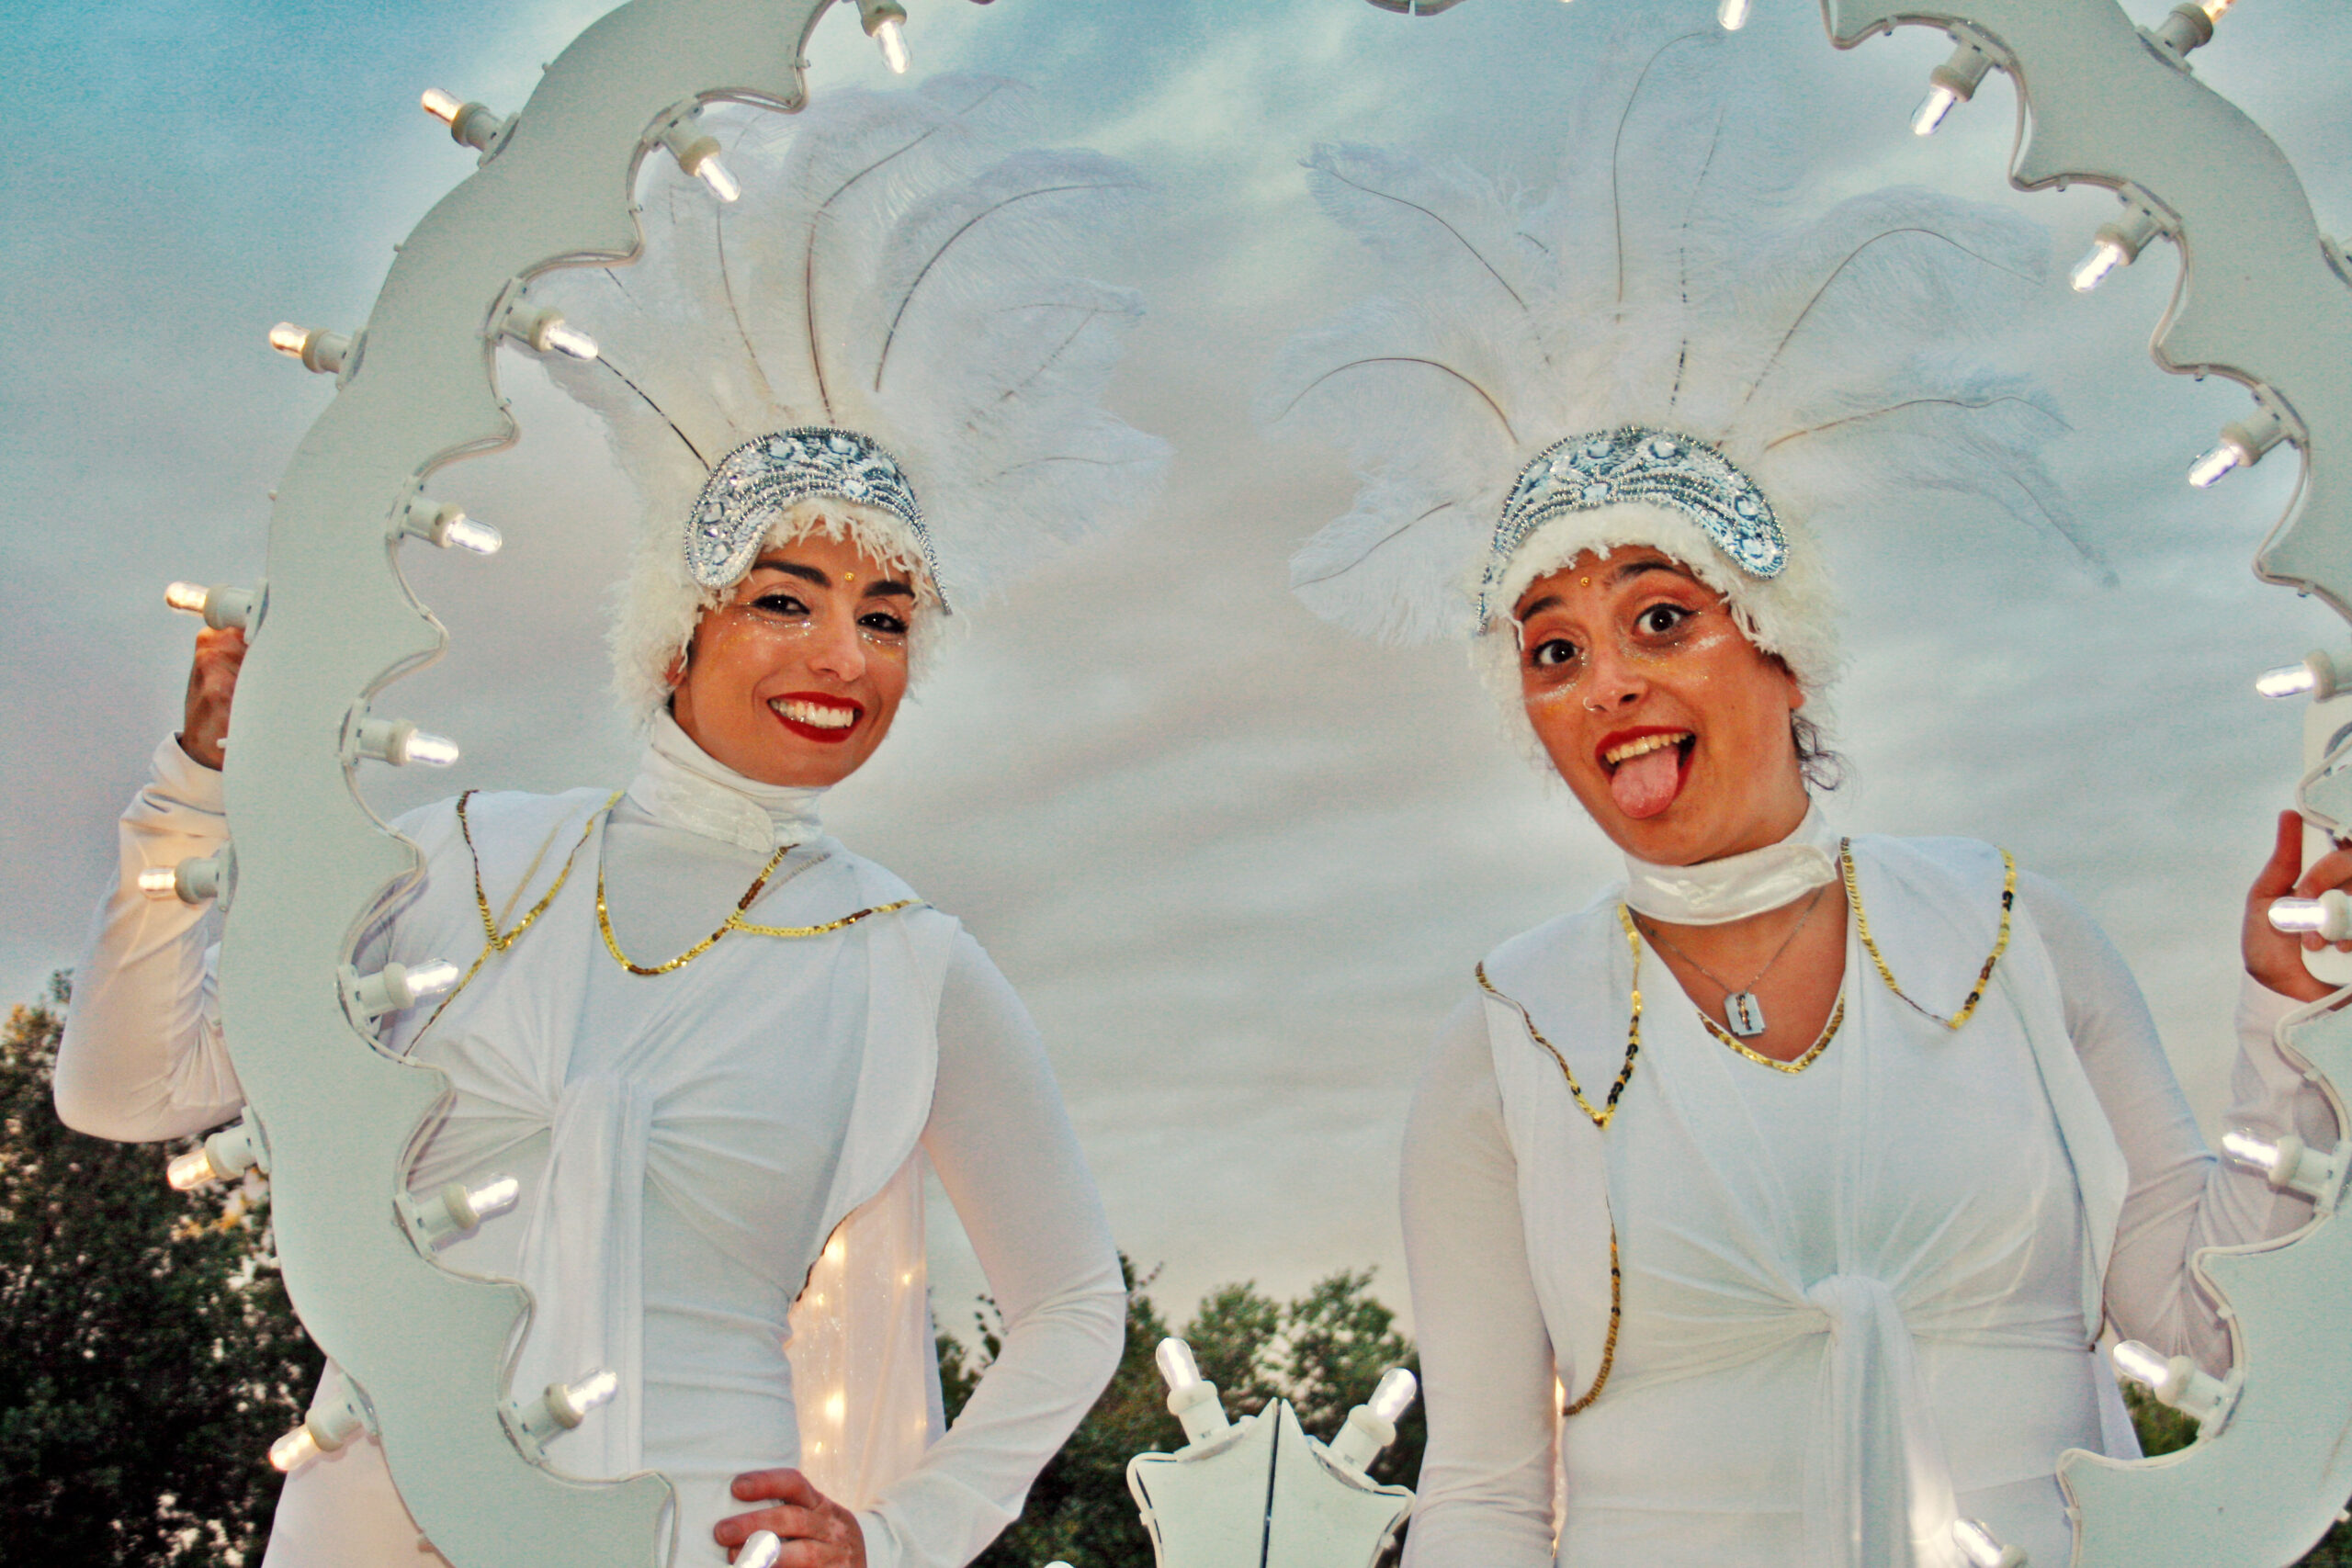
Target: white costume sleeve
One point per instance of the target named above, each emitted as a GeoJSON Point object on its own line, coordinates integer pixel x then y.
{"type": "Point", "coordinates": [1006, 1154]}
{"type": "Point", "coordinates": [2180, 1197]}
{"type": "Point", "coordinates": [141, 1058]}
{"type": "Point", "coordinates": [1484, 1492]}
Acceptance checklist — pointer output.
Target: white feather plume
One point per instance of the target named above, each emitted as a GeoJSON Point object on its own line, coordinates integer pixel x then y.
{"type": "Point", "coordinates": [890, 268]}
{"type": "Point", "coordinates": [1662, 281]}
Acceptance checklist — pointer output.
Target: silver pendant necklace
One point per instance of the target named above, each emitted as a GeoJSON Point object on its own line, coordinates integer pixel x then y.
{"type": "Point", "coordinates": [1742, 1013]}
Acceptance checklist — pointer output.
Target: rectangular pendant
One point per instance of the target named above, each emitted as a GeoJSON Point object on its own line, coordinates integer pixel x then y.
{"type": "Point", "coordinates": [1744, 1014]}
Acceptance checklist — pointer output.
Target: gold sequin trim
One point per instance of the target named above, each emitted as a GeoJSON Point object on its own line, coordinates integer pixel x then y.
{"type": "Point", "coordinates": [735, 920]}
{"type": "Point", "coordinates": [1812, 1053]}
{"type": "Point", "coordinates": [1608, 1345]}
{"type": "Point", "coordinates": [499, 941]}
{"type": "Point", "coordinates": [1984, 975]}
{"type": "Point", "coordinates": [1632, 1033]}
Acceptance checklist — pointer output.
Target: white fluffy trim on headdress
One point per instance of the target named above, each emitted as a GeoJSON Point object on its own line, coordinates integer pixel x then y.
{"type": "Point", "coordinates": [1662, 285]}
{"type": "Point", "coordinates": [892, 271]}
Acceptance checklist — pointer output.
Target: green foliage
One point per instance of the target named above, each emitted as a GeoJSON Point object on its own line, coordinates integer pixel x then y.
{"type": "Point", "coordinates": [151, 1351]}
{"type": "Point", "coordinates": [1323, 1353]}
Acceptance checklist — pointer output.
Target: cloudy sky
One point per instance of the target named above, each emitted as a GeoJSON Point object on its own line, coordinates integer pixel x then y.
{"type": "Point", "coordinates": [1239, 864]}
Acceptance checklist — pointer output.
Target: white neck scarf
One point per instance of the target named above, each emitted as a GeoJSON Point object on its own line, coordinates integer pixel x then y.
{"type": "Point", "coordinates": [681, 784]}
{"type": "Point", "coordinates": [1717, 892]}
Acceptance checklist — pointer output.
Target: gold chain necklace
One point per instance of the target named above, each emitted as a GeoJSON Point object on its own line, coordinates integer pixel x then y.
{"type": "Point", "coordinates": [734, 921]}
{"type": "Point", "coordinates": [1984, 975]}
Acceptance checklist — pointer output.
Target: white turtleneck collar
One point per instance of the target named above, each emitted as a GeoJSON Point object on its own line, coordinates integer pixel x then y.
{"type": "Point", "coordinates": [1717, 892]}
{"type": "Point", "coordinates": [682, 785]}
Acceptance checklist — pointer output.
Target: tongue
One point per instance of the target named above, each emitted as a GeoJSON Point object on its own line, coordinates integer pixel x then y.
{"type": "Point", "coordinates": [1646, 786]}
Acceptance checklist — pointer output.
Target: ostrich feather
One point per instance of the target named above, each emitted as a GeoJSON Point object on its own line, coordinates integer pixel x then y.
{"type": "Point", "coordinates": [1666, 278]}
{"type": "Point", "coordinates": [890, 268]}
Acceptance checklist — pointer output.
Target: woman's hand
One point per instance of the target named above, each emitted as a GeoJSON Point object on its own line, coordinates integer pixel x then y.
{"type": "Point", "coordinates": [211, 687]}
{"type": "Point", "coordinates": [2275, 957]}
{"type": "Point", "coordinates": [817, 1532]}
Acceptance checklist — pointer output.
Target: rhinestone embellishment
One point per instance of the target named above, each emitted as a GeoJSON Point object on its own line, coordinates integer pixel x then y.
{"type": "Point", "coordinates": [1636, 463]}
{"type": "Point", "coordinates": [756, 482]}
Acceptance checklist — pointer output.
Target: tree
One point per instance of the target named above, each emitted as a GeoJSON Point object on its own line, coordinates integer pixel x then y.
{"type": "Point", "coordinates": [1323, 1353]}
{"type": "Point", "coordinates": [152, 1353]}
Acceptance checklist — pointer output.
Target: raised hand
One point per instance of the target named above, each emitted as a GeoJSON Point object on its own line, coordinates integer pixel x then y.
{"type": "Point", "coordinates": [211, 688]}
{"type": "Point", "coordinates": [2273, 956]}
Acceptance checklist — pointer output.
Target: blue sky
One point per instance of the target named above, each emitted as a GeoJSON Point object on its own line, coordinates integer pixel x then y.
{"type": "Point", "coordinates": [1239, 864]}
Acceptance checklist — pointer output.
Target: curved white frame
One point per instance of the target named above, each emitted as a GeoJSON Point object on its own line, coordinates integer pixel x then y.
{"type": "Point", "coordinates": [2262, 300]}
{"type": "Point", "coordinates": [428, 1348]}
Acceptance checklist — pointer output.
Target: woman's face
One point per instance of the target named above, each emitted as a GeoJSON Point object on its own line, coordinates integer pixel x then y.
{"type": "Point", "coordinates": [1669, 724]}
{"type": "Point", "coordinates": [796, 679]}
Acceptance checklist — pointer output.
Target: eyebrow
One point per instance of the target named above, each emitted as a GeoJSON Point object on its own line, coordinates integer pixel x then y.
{"type": "Point", "coordinates": [1626, 573]}
{"type": "Point", "coordinates": [881, 587]}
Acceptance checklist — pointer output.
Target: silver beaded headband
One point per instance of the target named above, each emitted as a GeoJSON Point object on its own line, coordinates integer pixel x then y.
{"type": "Point", "coordinates": [1636, 463]}
{"type": "Point", "coordinates": [755, 483]}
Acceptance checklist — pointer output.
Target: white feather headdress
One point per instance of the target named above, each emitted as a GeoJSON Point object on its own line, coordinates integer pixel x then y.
{"type": "Point", "coordinates": [1658, 288]}
{"type": "Point", "coordinates": [892, 292]}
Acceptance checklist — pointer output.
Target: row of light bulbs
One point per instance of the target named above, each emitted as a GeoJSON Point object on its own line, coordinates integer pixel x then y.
{"type": "Point", "coordinates": [1370, 1426]}
{"type": "Point", "coordinates": [2118, 243]}
{"type": "Point", "coordinates": [340, 1412]}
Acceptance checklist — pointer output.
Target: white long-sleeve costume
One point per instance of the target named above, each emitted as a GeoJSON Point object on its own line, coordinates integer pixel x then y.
{"type": "Point", "coordinates": [1856, 1297]}
{"type": "Point", "coordinates": [686, 1142]}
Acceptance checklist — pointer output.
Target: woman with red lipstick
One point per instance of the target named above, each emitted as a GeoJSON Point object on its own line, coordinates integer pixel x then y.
{"type": "Point", "coordinates": [714, 1047]}
{"type": "Point", "coordinates": [1765, 1211]}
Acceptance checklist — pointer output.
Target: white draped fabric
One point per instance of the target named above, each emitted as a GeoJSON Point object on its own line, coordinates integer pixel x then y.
{"type": "Point", "coordinates": [687, 1143]}
{"type": "Point", "coordinates": [1857, 1300]}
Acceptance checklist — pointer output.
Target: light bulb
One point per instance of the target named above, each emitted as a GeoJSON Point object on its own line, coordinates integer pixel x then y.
{"type": "Point", "coordinates": [1932, 109]}
{"type": "Point", "coordinates": [892, 38]}
{"type": "Point", "coordinates": [2249, 1151]}
{"type": "Point", "coordinates": [544, 328]}
{"type": "Point", "coordinates": [761, 1549]}
{"type": "Point", "coordinates": [159, 882]}
{"type": "Point", "coordinates": [187, 597]}
{"type": "Point", "coordinates": [1732, 14]}
{"type": "Point", "coordinates": [319, 351]}
{"type": "Point", "coordinates": [1981, 1549]}
{"type": "Point", "coordinates": [2207, 470]}
{"type": "Point", "coordinates": [1176, 1363]}
{"type": "Point", "coordinates": [191, 1171]}
{"type": "Point", "coordinates": [398, 742]}
{"type": "Point", "coordinates": [2104, 257]}
{"type": "Point", "coordinates": [396, 987]}
{"type": "Point", "coordinates": [334, 1419]}
{"type": "Point", "coordinates": [418, 518]}
{"type": "Point", "coordinates": [1398, 1388]}
{"type": "Point", "coordinates": [471, 125]}
{"type": "Point", "coordinates": [458, 1210]}
{"type": "Point", "coordinates": [582, 1399]}
{"type": "Point", "coordinates": [2142, 1365]}
{"type": "Point", "coordinates": [293, 1450]}
{"type": "Point", "coordinates": [232, 1151]}
{"type": "Point", "coordinates": [2216, 9]}
{"type": "Point", "coordinates": [570, 340]}
{"type": "Point", "coordinates": [2287, 680]}
{"type": "Point", "coordinates": [2244, 441]}
{"type": "Point", "coordinates": [469, 535]}
{"type": "Point", "coordinates": [2329, 915]}
{"type": "Point", "coordinates": [713, 172]}
{"type": "Point", "coordinates": [431, 750]}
